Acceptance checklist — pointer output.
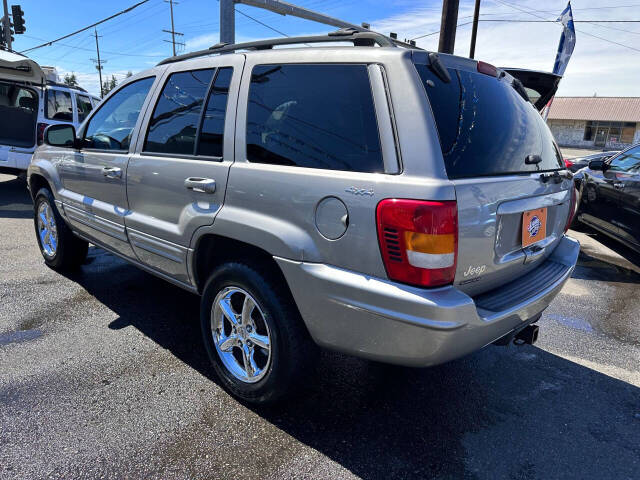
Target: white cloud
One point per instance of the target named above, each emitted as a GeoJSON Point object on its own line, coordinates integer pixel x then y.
{"type": "Point", "coordinates": [596, 65]}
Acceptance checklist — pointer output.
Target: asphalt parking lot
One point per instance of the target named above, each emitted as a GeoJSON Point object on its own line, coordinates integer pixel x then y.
{"type": "Point", "coordinates": [103, 375]}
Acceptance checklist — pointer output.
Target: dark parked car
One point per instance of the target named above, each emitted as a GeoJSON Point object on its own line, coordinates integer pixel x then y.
{"type": "Point", "coordinates": [610, 191]}
{"type": "Point", "coordinates": [575, 164]}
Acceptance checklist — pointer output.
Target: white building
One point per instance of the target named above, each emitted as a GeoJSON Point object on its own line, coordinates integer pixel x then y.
{"type": "Point", "coordinates": [610, 123]}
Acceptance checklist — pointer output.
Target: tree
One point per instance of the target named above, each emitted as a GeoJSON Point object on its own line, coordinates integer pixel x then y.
{"type": "Point", "coordinates": [71, 80]}
{"type": "Point", "coordinates": [129, 74]}
{"type": "Point", "coordinates": [109, 85]}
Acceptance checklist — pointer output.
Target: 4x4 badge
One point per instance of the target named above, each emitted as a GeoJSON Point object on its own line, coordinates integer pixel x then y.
{"type": "Point", "coordinates": [359, 191]}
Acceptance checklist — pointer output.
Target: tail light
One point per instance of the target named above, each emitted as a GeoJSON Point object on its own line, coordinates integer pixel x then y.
{"type": "Point", "coordinates": [572, 208]}
{"type": "Point", "coordinates": [41, 129]}
{"type": "Point", "coordinates": [568, 163]}
{"type": "Point", "coordinates": [487, 69]}
{"type": "Point", "coordinates": [418, 240]}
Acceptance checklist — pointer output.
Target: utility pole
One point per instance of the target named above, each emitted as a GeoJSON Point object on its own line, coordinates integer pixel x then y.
{"type": "Point", "coordinates": [173, 30]}
{"type": "Point", "coordinates": [6, 25]}
{"type": "Point", "coordinates": [448, 26]}
{"type": "Point", "coordinates": [227, 21]}
{"type": "Point", "coordinates": [98, 62]}
{"type": "Point", "coordinates": [474, 29]}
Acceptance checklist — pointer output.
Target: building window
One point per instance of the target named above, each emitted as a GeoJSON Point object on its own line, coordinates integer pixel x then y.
{"type": "Point", "coordinates": [628, 132]}
{"type": "Point", "coordinates": [609, 132]}
{"type": "Point", "coordinates": [588, 131]}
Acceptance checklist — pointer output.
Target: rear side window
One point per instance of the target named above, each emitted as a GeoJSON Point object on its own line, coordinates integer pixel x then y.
{"type": "Point", "coordinates": [174, 124]}
{"type": "Point", "coordinates": [59, 106]}
{"type": "Point", "coordinates": [626, 161]}
{"type": "Point", "coordinates": [486, 127]}
{"type": "Point", "coordinates": [314, 116]}
{"type": "Point", "coordinates": [111, 126]}
{"type": "Point", "coordinates": [212, 132]}
{"type": "Point", "coordinates": [84, 107]}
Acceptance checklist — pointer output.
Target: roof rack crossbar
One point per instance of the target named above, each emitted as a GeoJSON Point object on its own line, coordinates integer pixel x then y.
{"type": "Point", "coordinates": [358, 38]}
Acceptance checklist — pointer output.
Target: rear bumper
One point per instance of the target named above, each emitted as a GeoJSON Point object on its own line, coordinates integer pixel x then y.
{"type": "Point", "coordinates": [14, 158]}
{"type": "Point", "coordinates": [390, 322]}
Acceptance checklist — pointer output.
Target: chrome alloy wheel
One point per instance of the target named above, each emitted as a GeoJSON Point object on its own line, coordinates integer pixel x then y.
{"type": "Point", "coordinates": [241, 334]}
{"type": "Point", "coordinates": [47, 229]}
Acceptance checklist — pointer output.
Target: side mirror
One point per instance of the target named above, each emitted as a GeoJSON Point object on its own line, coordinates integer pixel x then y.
{"type": "Point", "coordinates": [61, 135]}
{"type": "Point", "coordinates": [597, 165]}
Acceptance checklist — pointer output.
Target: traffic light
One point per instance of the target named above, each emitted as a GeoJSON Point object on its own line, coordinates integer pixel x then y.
{"type": "Point", "coordinates": [18, 19]}
{"type": "Point", "coordinates": [6, 35]}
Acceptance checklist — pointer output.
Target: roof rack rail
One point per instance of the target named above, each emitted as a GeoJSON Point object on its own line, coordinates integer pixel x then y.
{"type": "Point", "coordinates": [59, 84]}
{"type": "Point", "coordinates": [359, 39]}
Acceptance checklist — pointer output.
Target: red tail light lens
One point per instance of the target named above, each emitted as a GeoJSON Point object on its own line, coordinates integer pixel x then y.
{"type": "Point", "coordinates": [487, 69]}
{"type": "Point", "coordinates": [572, 208]}
{"type": "Point", "coordinates": [41, 128]}
{"type": "Point", "coordinates": [418, 240]}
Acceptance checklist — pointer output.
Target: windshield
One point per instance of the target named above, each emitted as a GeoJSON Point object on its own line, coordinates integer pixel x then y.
{"type": "Point", "coordinates": [486, 127]}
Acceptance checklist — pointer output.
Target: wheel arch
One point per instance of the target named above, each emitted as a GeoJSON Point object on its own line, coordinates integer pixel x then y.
{"type": "Point", "coordinates": [213, 250]}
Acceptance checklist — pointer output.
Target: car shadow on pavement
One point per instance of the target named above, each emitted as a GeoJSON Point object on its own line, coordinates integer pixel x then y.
{"type": "Point", "coordinates": [15, 201]}
{"type": "Point", "coordinates": [517, 412]}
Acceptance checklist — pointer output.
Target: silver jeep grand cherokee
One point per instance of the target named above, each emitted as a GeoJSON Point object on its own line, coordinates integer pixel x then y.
{"type": "Point", "coordinates": [385, 202]}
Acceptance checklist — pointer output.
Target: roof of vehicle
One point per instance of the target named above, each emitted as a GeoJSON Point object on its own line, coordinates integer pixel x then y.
{"type": "Point", "coordinates": [62, 85]}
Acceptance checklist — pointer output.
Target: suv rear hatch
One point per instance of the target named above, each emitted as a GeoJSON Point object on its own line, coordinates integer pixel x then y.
{"type": "Point", "coordinates": [19, 101]}
{"type": "Point", "coordinates": [505, 166]}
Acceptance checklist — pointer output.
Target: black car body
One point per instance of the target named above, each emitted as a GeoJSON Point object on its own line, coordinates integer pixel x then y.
{"type": "Point", "coordinates": [610, 196]}
{"type": "Point", "coordinates": [575, 164]}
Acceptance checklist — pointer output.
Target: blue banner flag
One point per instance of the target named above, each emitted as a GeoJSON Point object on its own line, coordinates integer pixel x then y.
{"type": "Point", "coordinates": [567, 41]}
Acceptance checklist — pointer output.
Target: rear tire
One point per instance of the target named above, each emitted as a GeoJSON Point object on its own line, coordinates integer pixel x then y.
{"type": "Point", "coordinates": [60, 248]}
{"type": "Point", "coordinates": [243, 310]}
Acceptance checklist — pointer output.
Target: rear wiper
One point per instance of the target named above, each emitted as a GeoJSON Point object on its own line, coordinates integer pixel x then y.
{"type": "Point", "coordinates": [519, 87]}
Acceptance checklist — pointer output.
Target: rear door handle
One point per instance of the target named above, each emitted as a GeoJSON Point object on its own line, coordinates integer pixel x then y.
{"type": "Point", "coordinates": [202, 185]}
{"type": "Point", "coordinates": [112, 172]}
{"type": "Point", "coordinates": [618, 185]}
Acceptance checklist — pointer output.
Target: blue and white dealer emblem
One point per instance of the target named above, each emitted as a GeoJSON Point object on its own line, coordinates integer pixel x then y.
{"type": "Point", "coordinates": [534, 226]}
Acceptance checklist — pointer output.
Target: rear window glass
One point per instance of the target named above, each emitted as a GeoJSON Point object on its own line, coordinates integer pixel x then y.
{"type": "Point", "coordinates": [84, 106]}
{"type": "Point", "coordinates": [59, 106]}
{"type": "Point", "coordinates": [212, 131]}
{"type": "Point", "coordinates": [486, 127]}
{"type": "Point", "coordinates": [174, 124]}
{"type": "Point", "coordinates": [314, 116]}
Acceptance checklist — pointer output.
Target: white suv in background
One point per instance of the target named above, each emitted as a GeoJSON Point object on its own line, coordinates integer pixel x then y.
{"type": "Point", "coordinates": [29, 102]}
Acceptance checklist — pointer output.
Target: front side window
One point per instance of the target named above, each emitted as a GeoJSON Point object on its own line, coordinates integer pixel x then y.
{"type": "Point", "coordinates": [84, 106]}
{"type": "Point", "coordinates": [626, 161]}
{"type": "Point", "coordinates": [174, 123]}
{"type": "Point", "coordinates": [212, 131]}
{"type": "Point", "coordinates": [314, 116]}
{"type": "Point", "coordinates": [59, 106]}
{"type": "Point", "coordinates": [112, 125]}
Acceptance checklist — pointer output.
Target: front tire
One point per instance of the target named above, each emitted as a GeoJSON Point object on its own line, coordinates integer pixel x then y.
{"type": "Point", "coordinates": [60, 248]}
{"type": "Point", "coordinates": [253, 333]}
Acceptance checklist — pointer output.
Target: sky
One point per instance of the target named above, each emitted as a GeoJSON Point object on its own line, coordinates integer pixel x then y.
{"type": "Point", "coordinates": [606, 59]}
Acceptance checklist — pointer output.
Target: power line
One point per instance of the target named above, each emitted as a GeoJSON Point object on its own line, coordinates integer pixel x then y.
{"type": "Point", "coordinates": [93, 25]}
{"type": "Point", "coordinates": [581, 31]}
{"type": "Point", "coordinates": [77, 47]}
{"type": "Point", "coordinates": [261, 23]}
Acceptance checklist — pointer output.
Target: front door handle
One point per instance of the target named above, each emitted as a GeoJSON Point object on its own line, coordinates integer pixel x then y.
{"type": "Point", "coordinates": [202, 185]}
{"type": "Point", "coordinates": [112, 172]}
